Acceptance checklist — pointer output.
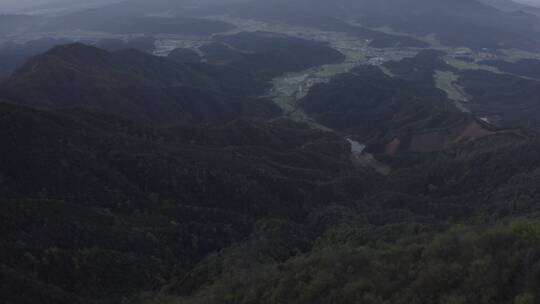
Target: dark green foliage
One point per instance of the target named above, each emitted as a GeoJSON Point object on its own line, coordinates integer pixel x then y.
{"type": "Point", "coordinates": [184, 56]}
{"type": "Point", "coordinates": [95, 207]}
{"type": "Point", "coordinates": [99, 20]}
{"type": "Point", "coordinates": [199, 194]}
{"type": "Point", "coordinates": [294, 14]}
{"type": "Point", "coordinates": [268, 55]}
{"type": "Point", "coordinates": [143, 44]}
{"type": "Point", "coordinates": [403, 259]}
{"type": "Point", "coordinates": [374, 106]}
{"type": "Point", "coordinates": [13, 55]}
{"type": "Point", "coordinates": [507, 100]}
{"type": "Point", "coordinates": [456, 23]}
{"type": "Point", "coordinates": [523, 67]}
{"type": "Point", "coordinates": [419, 68]}
{"type": "Point", "coordinates": [400, 248]}
{"type": "Point", "coordinates": [136, 85]}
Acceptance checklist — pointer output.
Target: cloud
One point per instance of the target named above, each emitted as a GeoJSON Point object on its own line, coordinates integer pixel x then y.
{"type": "Point", "coordinates": [11, 6]}
{"type": "Point", "coordinates": [529, 2]}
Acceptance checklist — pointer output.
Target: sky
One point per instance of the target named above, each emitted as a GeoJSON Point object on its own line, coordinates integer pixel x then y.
{"type": "Point", "coordinates": [531, 2]}
{"type": "Point", "coordinates": [7, 6]}
{"type": "Point", "coordinates": [20, 4]}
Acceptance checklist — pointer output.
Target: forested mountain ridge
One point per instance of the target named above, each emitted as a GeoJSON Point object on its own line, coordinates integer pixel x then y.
{"type": "Point", "coordinates": [268, 55]}
{"type": "Point", "coordinates": [154, 203]}
{"type": "Point", "coordinates": [277, 152]}
{"type": "Point", "coordinates": [135, 85]}
{"type": "Point", "coordinates": [58, 166]}
{"type": "Point", "coordinates": [140, 86]}
{"type": "Point", "coordinates": [457, 23]}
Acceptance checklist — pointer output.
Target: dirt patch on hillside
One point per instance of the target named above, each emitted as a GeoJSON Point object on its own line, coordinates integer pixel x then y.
{"type": "Point", "coordinates": [437, 140]}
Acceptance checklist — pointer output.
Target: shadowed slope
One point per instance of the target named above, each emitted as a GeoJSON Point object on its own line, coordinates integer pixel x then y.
{"type": "Point", "coordinates": [135, 85]}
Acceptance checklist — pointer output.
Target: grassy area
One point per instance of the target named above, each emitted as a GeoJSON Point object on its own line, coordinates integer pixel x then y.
{"type": "Point", "coordinates": [463, 65]}
{"type": "Point", "coordinates": [447, 81]}
{"type": "Point", "coordinates": [515, 55]}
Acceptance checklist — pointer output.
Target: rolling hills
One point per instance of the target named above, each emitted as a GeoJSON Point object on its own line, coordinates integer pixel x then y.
{"type": "Point", "coordinates": [135, 85]}
{"type": "Point", "coordinates": [131, 178]}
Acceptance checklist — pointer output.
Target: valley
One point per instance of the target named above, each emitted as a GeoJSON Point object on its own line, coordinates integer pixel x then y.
{"type": "Point", "coordinates": [290, 87]}
{"type": "Point", "coordinates": [270, 152]}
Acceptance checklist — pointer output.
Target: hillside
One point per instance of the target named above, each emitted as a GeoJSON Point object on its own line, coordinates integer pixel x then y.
{"type": "Point", "coordinates": [455, 23]}
{"type": "Point", "coordinates": [504, 99]}
{"type": "Point", "coordinates": [389, 113]}
{"type": "Point", "coordinates": [101, 19]}
{"type": "Point", "coordinates": [106, 194]}
{"type": "Point", "coordinates": [271, 152]}
{"type": "Point", "coordinates": [268, 55]}
{"type": "Point", "coordinates": [184, 56]}
{"type": "Point", "coordinates": [13, 55]}
{"type": "Point", "coordinates": [135, 85]}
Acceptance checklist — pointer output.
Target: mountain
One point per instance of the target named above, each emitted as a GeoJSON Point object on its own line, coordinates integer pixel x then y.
{"type": "Point", "coordinates": [458, 23]}
{"type": "Point", "coordinates": [140, 86]}
{"type": "Point", "coordinates": [184, 56]}
{"type": "Point", "coordinates": [405, 112]}
{"type": "Point", "coordinates": [504, 99]}
{"type": "Point", "coordinates": [267, 54]}
{"type": "Point", "coordinates": [523, 67]}
{"type": "Point", "coordinates": [97, 21]}
{"type": "Point", "coordinates": [121, 208]}
{"type": "Point", "coordinates": [435, 214]}
{"type": "Point", "coordinates": [135, 85]}
{"type": "Point", "coordinates": [454, 23]}
{"type": "Point", "coordinates": [123, 211]}
{"type": "Point", "coordinates": [512, 6]}
{"type": "Point", "coordinates": [395, 170]}
{"type": "Point", "coordinates": [145, 43]}
{"type": "Point", "coordinates": [14, 55]}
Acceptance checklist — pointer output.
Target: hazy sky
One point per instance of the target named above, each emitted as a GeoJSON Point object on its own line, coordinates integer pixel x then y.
{"type": "Point", "coordinates": [533, 2]}
{"type": "Point", "coordinates": [17, 5]}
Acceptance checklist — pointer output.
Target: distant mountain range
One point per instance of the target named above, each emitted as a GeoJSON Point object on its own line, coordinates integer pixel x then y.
{"type": "Point", "coordinates": [49, 6]}
{"type": "Point", "coordinates": [528, 2]}
{"type": "Point", "coordinates": [457, 23]}
{"type": "Point", "coordinates": [531, 7]}
{"type": "Point", "coordinates": [135, 85]}
{"type": "Point", "coordinates": [140, 86]}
